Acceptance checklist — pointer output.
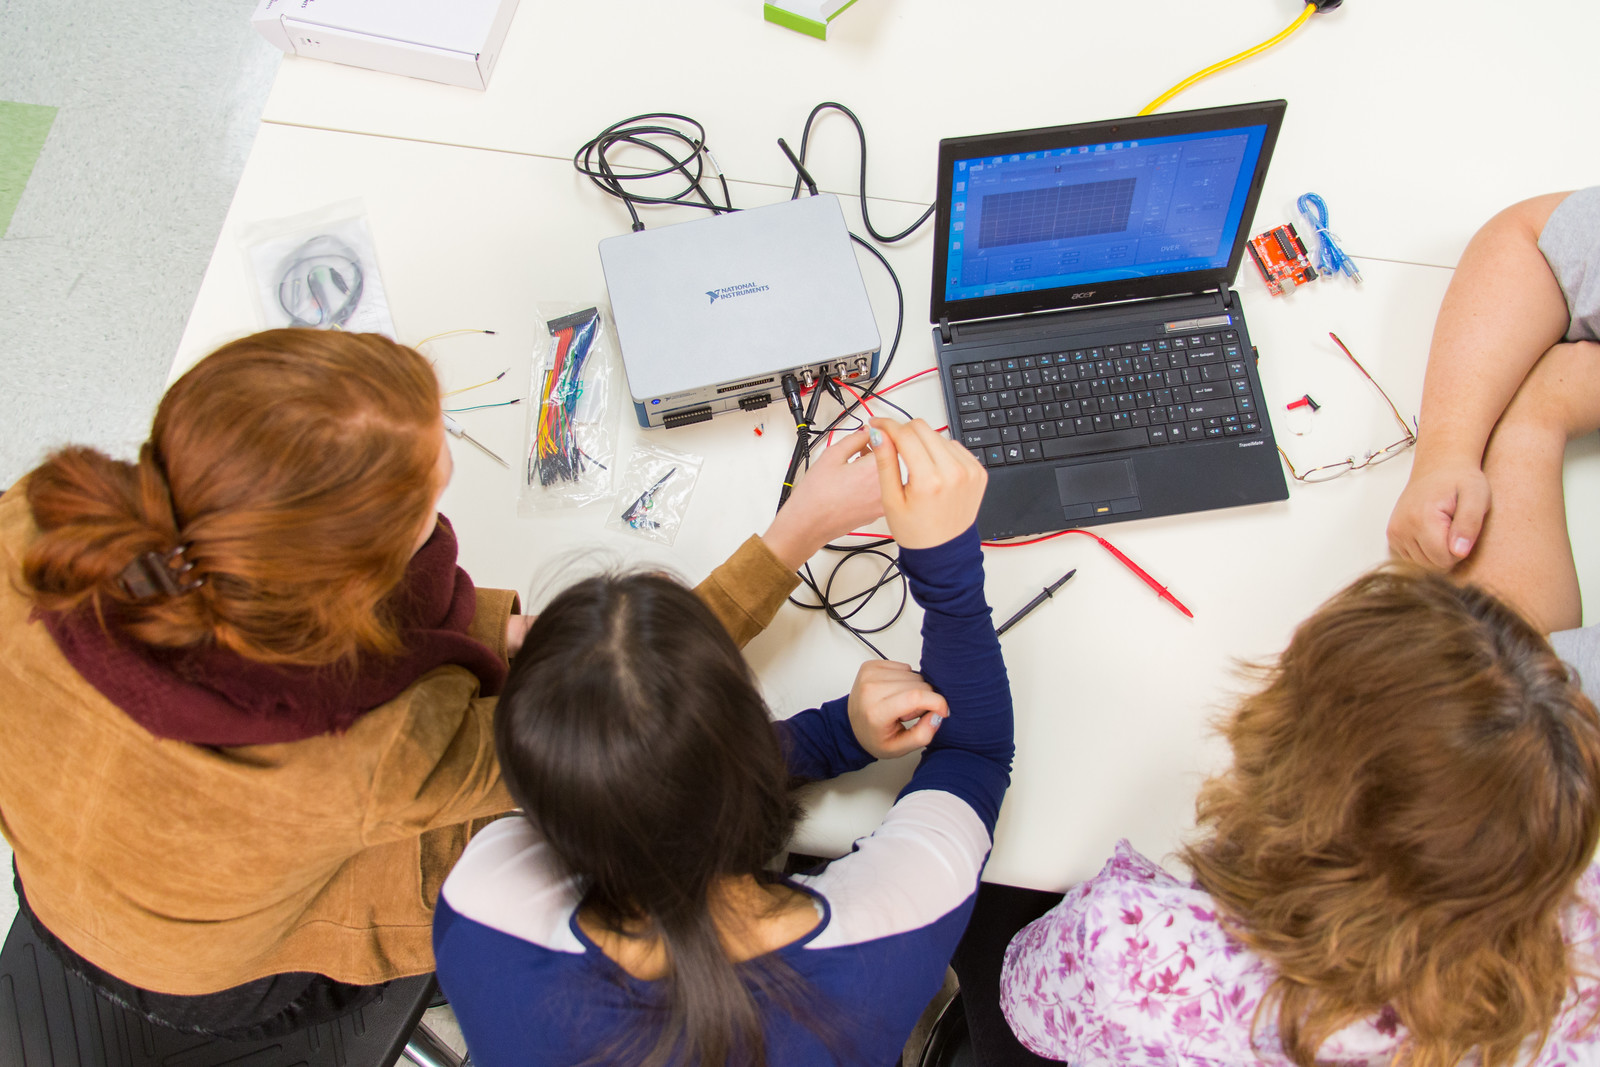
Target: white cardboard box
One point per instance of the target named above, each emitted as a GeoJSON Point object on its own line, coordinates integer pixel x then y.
{"type": "Point", "coordinates": [450, 41]}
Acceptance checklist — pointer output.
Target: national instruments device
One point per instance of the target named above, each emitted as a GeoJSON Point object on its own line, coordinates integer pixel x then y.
{"type": "Point", "coordinates": [711, 314]}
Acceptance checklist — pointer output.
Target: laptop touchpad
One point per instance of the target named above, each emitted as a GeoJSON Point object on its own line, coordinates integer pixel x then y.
{"type": "Point", "coordinates": [1098, 488]}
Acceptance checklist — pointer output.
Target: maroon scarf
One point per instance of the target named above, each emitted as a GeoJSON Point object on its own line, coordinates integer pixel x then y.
{"type": "Point", "coordinates": [211, 696]}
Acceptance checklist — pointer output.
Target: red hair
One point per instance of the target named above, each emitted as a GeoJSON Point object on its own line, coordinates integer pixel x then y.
{"type": "Point", "coordinates": [1413, 797]}
{"type": "Point", "coordinates": [297, 466]}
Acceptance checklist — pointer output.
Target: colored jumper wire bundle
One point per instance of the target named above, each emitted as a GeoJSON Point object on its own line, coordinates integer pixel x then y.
{"type": "Point", "coordinates": [556, 456]}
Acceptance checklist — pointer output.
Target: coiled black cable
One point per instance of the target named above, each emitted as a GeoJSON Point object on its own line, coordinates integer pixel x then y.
{"type": "Point", "coordinates": [647, 132]}
{"type": "Point", "coordinates": [861, 136]}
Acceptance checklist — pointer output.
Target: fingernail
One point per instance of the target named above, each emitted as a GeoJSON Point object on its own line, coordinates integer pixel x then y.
{"type": "Point", "coordinates": [1461, 546]}
{"type": "Point", "coordinates": [937, 720]}
{"type": "Point", "coordinates": [874, 437]}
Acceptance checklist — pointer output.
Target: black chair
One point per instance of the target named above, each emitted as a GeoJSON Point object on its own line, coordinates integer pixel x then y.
{"type": "Point", "coordinates": [50, 1017]}
{"type": "Point", "coordinates": [949, 1043]}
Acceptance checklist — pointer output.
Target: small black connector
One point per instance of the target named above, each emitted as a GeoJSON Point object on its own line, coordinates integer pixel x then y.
{"type": "Point", "coordinates": [816, 398]}
{"type": "Point", "coordinates": [688, 418]}
{"type": "Point", "coordinates": [811, 185]}
{"type": "Point", "coordinates": [1325, 5]}
{"type": "Point", "coordinates": [791, 396]}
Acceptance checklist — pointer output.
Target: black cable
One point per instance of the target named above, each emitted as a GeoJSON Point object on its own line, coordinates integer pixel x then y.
{"type": "Point", "coordinates": [891, 572]}
{"type": "Point", "coordinates": [799, 169]}
{"type": "Point", "coordinates": [880, 398]}
{"type": "Point", "coordinates": [643, 131]}
{"type": "Point", "coordinates": [802, 438]}
{"type": "Point", "coordinates": [861, 135]}
{"type": "Point", "coordinates": [307, 273]}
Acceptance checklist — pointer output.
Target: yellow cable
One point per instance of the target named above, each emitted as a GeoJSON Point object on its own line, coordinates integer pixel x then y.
{"type": "Point", "coordinates": [480, 385]}
{"type": "Point", "coordinates": [449, 333]}
{"type": "Point", "coordinates": [1231, 60]}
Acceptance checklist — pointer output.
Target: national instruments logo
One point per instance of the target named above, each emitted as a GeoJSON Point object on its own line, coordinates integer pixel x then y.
{"type": "Point", "coordinates": [731, 291]}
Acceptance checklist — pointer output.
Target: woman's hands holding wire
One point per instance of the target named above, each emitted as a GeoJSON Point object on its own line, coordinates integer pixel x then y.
{"type": "Point", "coordinates": [892, 710]}
{"type": "Point", "coordinates": [832, 498]}
{"type": "Point", "coordinates": [943, 485]}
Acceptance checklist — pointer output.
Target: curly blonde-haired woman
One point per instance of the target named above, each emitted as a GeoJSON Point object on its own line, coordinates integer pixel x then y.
{"type": "Point", "coordinates": [1399, 866]}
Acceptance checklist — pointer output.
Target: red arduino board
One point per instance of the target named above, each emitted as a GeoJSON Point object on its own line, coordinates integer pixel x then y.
{"type": "Point", "coordinates": [1281, 255]}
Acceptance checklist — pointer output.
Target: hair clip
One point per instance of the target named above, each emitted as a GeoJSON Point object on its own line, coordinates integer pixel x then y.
{"type": "Point", "coordinates": [153, 573]}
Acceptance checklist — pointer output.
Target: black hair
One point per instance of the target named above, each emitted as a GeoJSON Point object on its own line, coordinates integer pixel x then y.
{"type": "Point", "coordinates": [633, 736]}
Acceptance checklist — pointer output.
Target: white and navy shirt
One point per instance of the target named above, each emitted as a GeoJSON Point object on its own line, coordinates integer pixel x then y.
{"type": "Point", "coordinates": [530, 988]}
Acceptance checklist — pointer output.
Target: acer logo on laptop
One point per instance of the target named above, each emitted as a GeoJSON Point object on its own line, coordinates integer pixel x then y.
{"type": "Point", "coordinates": [1084, 295]}
{"type": "Point", "coordinates": [731, 291]}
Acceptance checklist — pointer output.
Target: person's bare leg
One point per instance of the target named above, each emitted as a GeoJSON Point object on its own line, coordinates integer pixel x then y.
{"type": "Point", "coordinates": [1524, 554]}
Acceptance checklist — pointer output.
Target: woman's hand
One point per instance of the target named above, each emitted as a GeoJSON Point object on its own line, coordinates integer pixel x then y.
{"type": "Point", "coordinates": [832, 498]}
{"type": "Point", "coordinates": [884, 700]}
{"type": "Point", "coordinates": [943, 485]}
{"type": "Point", "coordinates": [1440, 513]}
{"type": "Point", "coordinates": [517, 627]}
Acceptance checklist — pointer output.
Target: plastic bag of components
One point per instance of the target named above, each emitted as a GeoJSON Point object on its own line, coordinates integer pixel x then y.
{"type": "Point", "coordinates": [653, 492]}
{"type": "Point", "coordinates": [572, 435]}
{"type": "Point", "coordinates": [318, 270]}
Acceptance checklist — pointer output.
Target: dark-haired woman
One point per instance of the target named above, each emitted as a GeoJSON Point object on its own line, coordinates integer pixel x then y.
{"type": "Point", "coordinates": [1399, 867]}
{"type": "Point", "coordinates": [247, 722]}
{"type": "Point", "coordinates": [630, 917]}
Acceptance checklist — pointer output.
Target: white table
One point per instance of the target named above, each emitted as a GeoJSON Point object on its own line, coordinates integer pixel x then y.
{"type": "Point", "coordinates": [1416, 121]}
{"type": "Point", "coordinates": [1113, 687]}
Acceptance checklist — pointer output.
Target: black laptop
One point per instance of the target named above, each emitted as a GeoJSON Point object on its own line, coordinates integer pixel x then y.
{"type": "Point", "coordinates": [1093, 352]}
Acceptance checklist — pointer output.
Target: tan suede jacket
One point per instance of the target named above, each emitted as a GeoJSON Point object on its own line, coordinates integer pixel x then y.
{"type": "Point", "coordinates": [185, 869]}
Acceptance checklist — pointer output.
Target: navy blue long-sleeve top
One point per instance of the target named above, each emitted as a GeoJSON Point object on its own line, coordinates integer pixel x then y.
{"type": "Point", "coordinates": [970, 755]}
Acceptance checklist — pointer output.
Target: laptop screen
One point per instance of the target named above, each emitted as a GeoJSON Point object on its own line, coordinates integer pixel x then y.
{"type": "Point", "coordinates": [1086, 213]}
{"type": "Point", "coordinates": [1032, 220]}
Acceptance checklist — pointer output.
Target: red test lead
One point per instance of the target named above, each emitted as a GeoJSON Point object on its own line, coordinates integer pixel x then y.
{"type": "Point", "coordinates": [1161, 591]}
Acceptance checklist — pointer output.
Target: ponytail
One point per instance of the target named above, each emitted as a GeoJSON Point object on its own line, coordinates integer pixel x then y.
{"type": "Point", "coordinates": [97, 516]}
{"type": "Point", "coordinates": [631, 733]}
{"type": "Point", "coordinates": [711, 1004]}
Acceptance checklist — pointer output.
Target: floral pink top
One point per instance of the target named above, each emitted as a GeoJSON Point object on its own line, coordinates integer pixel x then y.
{"type": "Point", "coordinates": [1133, 968]}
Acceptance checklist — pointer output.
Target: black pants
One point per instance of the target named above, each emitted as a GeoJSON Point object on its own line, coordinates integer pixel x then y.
{"type": "Point", "coordinates": [267, 1007]}
{"type": "Point", "coordinates": [1000, 911]}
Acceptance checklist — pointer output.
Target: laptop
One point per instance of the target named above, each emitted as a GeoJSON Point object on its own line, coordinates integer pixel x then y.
{"type": "Point", "coordinates": [1093, 352]}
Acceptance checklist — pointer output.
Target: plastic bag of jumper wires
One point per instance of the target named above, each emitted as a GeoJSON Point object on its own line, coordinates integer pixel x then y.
{"type": "Point", "coordinates": [318, 270]}
{"type": "Point", "coordinates": [653, 493]}
{"type": "Point", "coordinates": [572, 437]}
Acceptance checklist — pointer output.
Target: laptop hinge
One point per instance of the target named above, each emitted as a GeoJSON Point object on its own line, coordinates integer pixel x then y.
{"type": "Point", "coordinates": [944, 328]}
{"type": "Point", "coordinates": [1227, 296]}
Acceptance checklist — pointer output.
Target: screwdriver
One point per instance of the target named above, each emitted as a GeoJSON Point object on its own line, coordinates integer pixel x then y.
{"type": "Point", "coordinates": [455, 429]}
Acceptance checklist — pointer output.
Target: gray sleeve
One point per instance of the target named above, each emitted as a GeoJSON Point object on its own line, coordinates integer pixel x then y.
{"type": "Point", "coordinates": [1581, 650]}
{"type": "Point", "coordinates": [1570, 242]}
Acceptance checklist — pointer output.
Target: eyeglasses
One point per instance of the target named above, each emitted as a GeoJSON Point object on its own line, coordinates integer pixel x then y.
{"type": "Point", "coordinates": [1330, 471]}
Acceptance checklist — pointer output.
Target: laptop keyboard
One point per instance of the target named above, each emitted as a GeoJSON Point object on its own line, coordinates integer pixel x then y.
{"type": "Point", "coordinates": [1035, 409]}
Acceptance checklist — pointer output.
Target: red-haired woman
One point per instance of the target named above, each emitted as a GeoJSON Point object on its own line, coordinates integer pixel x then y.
{"type": "Point", "coordinates": [249, 694]}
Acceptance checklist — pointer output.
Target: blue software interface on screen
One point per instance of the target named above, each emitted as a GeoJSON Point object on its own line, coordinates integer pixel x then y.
{"type": "Point", "coordinates": [1089, 213]}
